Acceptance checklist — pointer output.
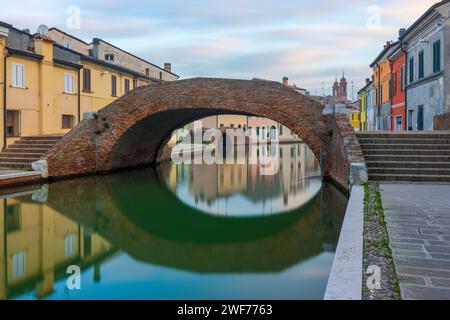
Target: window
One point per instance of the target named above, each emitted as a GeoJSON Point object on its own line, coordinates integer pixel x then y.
{"type": "Point", "coordinates": [127, 85]}
{"type": "Point", "coordinates": [147, 72]}
{"type": "Point", "coordinates": [13, 123]}
{"type": "Point", "coordinates": [18, 75]}
{"type": "Point", "coordinates": [18, 264]}
{"type": "Point", "coordinates": [421, 65]}
{"type": "Point", "coordinates": [393, 84]}
{"type": "Point", "coordinates": [160, 76]}
{"type": "Point", "coordinates": [67, 121]}
{"type": "Point", "coordinates": [68, 44]}
{"type": "Point", "coordinates": [87, 80]}
{"type": "Point", "coordinates": [109, 57]}
{"type": "Point", "coordinates": [437, 56]}
{"type": "Point", "coordinates": [69, 83]}
{"type": "Point", "coordinates": [411, 70]}
{"type": "Point", "coordinates": [221, 125]}
{"type": "Point", "coordinates": [135, 83]}
{"type": "Point", "coordinates": [114, 86]}
{"type": "Point", "coordinates": [257, 130]}
{"type": "Point", "coordinates": [69, 245]}
{"type": "Point", "coordinates": [91, 53]}
{"type": "Point", "coordinates": [13, 218]}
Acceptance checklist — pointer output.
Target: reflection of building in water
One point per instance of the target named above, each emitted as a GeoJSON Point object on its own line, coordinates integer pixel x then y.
{"type": "Point", "coordinates": [258, 129]}
{"type": "Point", "coordinates": [37, 244]}
{"type": "Point", "coordinates": [295, 169]}
{"type": "Point", "coordinates": [296, 164]}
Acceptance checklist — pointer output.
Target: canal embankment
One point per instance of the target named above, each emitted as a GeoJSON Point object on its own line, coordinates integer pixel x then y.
{"type": "Point", "coordinates": [13, 178]}
{"type": "Point", "coordinates": [345, 280]}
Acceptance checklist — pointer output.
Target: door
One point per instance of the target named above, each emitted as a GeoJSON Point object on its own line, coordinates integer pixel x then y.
{"type": "Point", "coordinates": [410, 120]}
{"type": "Point", "coordinates": [398, 123]}
{"type": "Point", "coordinates": [420, 118]}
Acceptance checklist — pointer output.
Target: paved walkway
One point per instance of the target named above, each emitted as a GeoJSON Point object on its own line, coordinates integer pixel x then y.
{"type": "Point", "coordinates": [418, 220]}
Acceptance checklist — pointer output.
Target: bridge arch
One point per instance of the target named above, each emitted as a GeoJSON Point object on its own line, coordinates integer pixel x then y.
{"type": "Point", "coordinates": [132, 130]}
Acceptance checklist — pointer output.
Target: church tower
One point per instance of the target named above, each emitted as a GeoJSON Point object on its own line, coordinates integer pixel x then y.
{"type": "Point", "coordinates": [343, 89]}
{"type": "Point", "coordinates": [336, 89]}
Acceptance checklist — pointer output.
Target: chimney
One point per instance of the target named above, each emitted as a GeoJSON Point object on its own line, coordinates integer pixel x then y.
{"type": "Point", "coordinates": [168, 67]}
{"type": "Point", "coordinates": [367, 80]}
{"type": "Point", "coordinates": [401, 32]}
{"type": "Point", "coordinates": [285, 81]}
{"type": "Point", "coordinates": [26, 31]}
{"type": "Point", "coordinates": [387, 43]}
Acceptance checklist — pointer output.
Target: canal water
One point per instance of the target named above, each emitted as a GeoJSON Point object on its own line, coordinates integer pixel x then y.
{"type": "Point", "coordinates": [178, 231]}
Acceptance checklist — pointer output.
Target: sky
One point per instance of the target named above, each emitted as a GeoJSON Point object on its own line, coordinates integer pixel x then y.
{"type": "Point", "coordinates": [311, 42]}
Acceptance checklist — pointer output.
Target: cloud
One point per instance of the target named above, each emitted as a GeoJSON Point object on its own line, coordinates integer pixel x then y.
{"type": "Point", "coordinates": [309, 41]}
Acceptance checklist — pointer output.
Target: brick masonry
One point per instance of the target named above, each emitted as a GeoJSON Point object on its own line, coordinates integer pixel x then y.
{"type": "Point", "coordinates": [133, 130]}
{"type": "Point", "coordinates": [442, 121]}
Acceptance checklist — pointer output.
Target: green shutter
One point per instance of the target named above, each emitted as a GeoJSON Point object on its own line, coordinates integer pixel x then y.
{"type": "Point", "coordinates": [421, 65]}
{"type": "Point", "coordinates": [411, 70]}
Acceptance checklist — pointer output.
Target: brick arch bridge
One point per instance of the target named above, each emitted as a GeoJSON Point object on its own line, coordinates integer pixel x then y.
{"type": "Point", "coordinates": [133, 130]}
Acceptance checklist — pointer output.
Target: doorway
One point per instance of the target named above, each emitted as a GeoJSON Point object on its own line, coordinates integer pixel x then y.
{"type": "Point", "coordinates": [420, 118]}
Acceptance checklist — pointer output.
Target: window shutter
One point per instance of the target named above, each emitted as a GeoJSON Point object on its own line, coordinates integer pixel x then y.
{"type": "Point", "coordinates": [21, 75]}
{"type": "Point", "coordinates": [113, 86]}
{"type": "Point", "coordinates": [14, 74]}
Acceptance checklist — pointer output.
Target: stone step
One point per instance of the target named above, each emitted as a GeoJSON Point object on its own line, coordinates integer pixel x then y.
{"type": "Point", "coordinates": [409, 178]}
{"type": "Point", "coordinates": [402, 152]}
{"type": "Point", "coordinates": [40, 138]}
{"type": "Point", "coordinates": [410, 171]}
{"type": "Point", "coordinates": [409, 135]}
{"type": "Point", "coordinates": [364, 141]}
{"type": "Point", "coordinates": [19, 160]}
{"type": "Point", "coordinates": [408, 164]}
{"type": "Point", "coordinates": [36, 142]}
{"type": "Point", "coordinates": [406, 146]}
{"type": "Point", "coordinates": [409, 158]}
{"type": "Point", "coordinates": [26, 150]}
{"type": "Point", "coordinates": [14, 165]}
{"type": "Point", "coordinates": [11, 155]}
{"type": "Point", "coordinates": [30, 146]}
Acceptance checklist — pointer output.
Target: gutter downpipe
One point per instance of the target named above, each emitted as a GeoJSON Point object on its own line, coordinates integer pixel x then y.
{"type": "Point", "coordinates": [4, 100]}
{"type": "Point", "coordinates": [405, 87]}
{"type": "Point", "coordinates": [379, 98]}
{"type": "Point", "coordinates": [79, 95]}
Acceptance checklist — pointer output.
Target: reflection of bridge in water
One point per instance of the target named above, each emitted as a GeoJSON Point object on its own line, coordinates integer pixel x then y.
{"type": "Point", "coordinates": [136, 213]}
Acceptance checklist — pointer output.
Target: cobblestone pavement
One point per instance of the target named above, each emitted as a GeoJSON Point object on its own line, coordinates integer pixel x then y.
{"type": "Point", "coordinates": [418, 221]}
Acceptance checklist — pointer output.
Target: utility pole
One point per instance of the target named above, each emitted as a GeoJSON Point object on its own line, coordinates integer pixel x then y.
{"type": "Point", "coordinates": [353, 92]}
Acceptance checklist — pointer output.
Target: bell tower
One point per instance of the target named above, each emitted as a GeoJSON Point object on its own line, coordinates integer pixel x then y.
{"type": "Point", "coordinates": [336, 90]}
{"type": "Point", "coordinates": [343, 88]}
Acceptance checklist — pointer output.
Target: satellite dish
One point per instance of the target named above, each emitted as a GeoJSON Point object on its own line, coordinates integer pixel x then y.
{"type": "Point", "coordinates": [42, 30]}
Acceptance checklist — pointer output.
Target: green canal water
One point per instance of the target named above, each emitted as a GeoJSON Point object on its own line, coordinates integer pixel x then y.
{"type": "Point", "coordinates": [187, 231]}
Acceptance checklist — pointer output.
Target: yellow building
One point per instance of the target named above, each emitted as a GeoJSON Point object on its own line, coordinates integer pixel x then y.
{"type": "Point", "coordinates": [47, 86]}
{"type": "Point", "coordinates": [362, 110]}
{"type": "Point", "coordinates": [354, 120]}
